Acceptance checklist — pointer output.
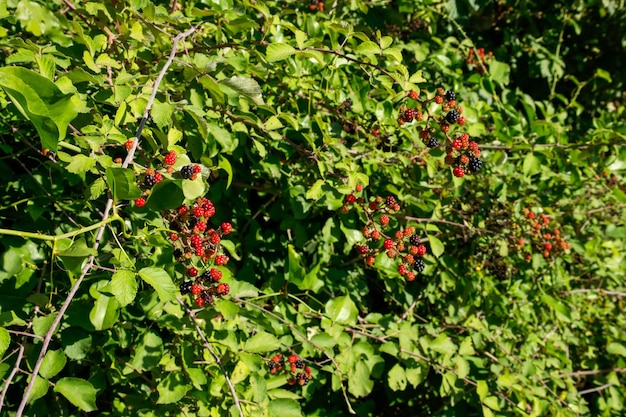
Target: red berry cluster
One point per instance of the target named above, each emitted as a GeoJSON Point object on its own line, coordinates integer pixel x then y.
{"type": "Point", "coordinates": [197, 245]}
{"type": "Point", "coordinates": [403, 244]}
{"type": "Point", "coordinates": [539, 233]}
{"type": "Point", "coordinates": [151, 176]}
{"type": "Point", "coordinates": [461, 153]}
{"type": "Point", "coordinates": [294, 366]}
{"type": "Point", "coordinates": [316, 5]}
{"type": "Point", "coordinates": [478, 59]}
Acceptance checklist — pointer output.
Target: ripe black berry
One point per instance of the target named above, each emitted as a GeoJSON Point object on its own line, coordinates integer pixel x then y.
{"type": "Point", "coordinates": [178, 253]}
{"type": "Point", "coordinates": [187, 171]}
{"type": "Point", "coordinates": [409, 115]}
{"type": "Point", "coordinates": [475, 164]}
{"type": "Point", "coordinates": [149, 181]}
{"type": "Point", "coordinates": [452, 117]}
{"type": "Point", "coordinates": [419, 265]}
{"type": "Point", "coordinates": [414, 240]}
{"type": "Point", "coordinates": [449, 95]}
{"type": "Point", "coordinates": [185, 287]}
{"type": "Point", "coordinates": [299, 364]}
{"type": "Point", "coordinates": [432, 142]}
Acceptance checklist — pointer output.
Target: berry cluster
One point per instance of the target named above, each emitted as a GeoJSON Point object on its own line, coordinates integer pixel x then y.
{"type": "Point", "coordinates": [478, 59]}
{"type": "Point", "coordinates": [461, 153]}
{"type": "Point", "coordinates": [151, 176]}
{"type": "Point", "coordinates": [197, 246]}
{"type": "Point", "coordinates": [403, 244]}
{"type": "Point", "coordinates": [316, 5]}
{"type": "Point", "coordinates": [540, 234]}
{"type": "Point", "coordinates": [294, 366]}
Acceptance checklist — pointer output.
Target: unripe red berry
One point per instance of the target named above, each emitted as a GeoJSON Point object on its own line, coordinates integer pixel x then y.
{"type": "Point", "coordinates": [375, 235]}
{"type": "Point", "coordinates": [200, 301]}
{"type": "Point", "coordinates": [388, 244]}
{"type": "Point", "coordinates": [438, 99]}
{"type": "Point", "coordinates": [390, 200]}
{"type": "Point", "coordinates": [413, 94]}
{"type": "Point", "coordinates": [221, 260]}
{"type": "Point", "coordinates": [458, 172]}
{"type": "Point", "coordinates": [421, 250]}
{"type": "Point", "coordinates": [402, 270]}
{"type": "Point", "coordinates": [384, 220]}
{"type": "Point", "coordinates": [223, 288]}
{"type": "Point", "coordinates": [358, 188]}
{"type": "Point", "coordinates": [445, 128]}
{"type": "Point", "coordinates": [362, 249]}
{"type": "Point", "coordinates": [216, 274]}
{"type": "Point", "coordinates": [351, 199]}
{"type": "Point", "coordinates": [140, 202]}
{"type": "Point", "coordinates": [226, 228]}
{"type": "Point", "coordinates": [170, 158]}
{"type": "Point", "coordinates": [373, 206]}
{"type": "Point", "coordinates": [129, 144]}
{"type": "Point", "coordinates": [192, 272]}
{"type": "Point", "coordinates": [410, 276]}
{"type": "Point", "coordinates": [370, 260]}
{"type": "Point", "coordinates": [215, 238]}
{"type": "Point", "coordinates": [196, 289]}
{"type": "Point", "coordinates": [457, 144]}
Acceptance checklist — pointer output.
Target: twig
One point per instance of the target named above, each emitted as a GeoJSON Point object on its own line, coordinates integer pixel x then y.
{"type": "Point", "coordinates": [105, 216]}
{"type": "Point", "coordinates": [596, 389]}
{"type": "Point", "coordinates": [591, 372]}
{"type": "Point", "coordinates": [7, 381]}
{"type": "Point", "coordinates": [218, 360]}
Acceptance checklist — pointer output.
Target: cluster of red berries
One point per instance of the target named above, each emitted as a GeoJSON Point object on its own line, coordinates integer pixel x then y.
{"type": "Point", "coordinates": [197, 243]}
{"type": "Point", "coordinates": [461, 153]}
{"type": "Point", "coordinates": [294, 366]}
{"type": "Point", "coordinates": [152, 176]}
{"type": "Point", "coordinates": [316, 5]}
{"type": "Point", "coordinates": [541, 235]}
{"type": "Point", "coordinates": [403, 244]}
{"type": "Point", "coordinates": [478, 59]}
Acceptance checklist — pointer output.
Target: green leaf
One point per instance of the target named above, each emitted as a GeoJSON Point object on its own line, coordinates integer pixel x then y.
{"type": "Point", "coordinates": [148, 352]}
{"type": "Point", "coordinates": [160, 281]}
{"type": "Point", "coordinates": [368, 48]}
{"type": "Point", "coordinates": [77, 248]}
{"type": "Point", "coordinates": [166, 195]}
{"type": "Point", "coordinates": [40, 388]}
{"type": "Point", "coordinates": [492, 402]}
{"type": "Point", "coordinates": [161, 113]}
{"type": "Point", "coordinates": [245, 86]}
{"type": "Point", "coordinates": [285, 407]}
{"type": "Point", "coordinates": [443, 344]}
{"type": "Point", "coordinates": [41, 102]}
{"type": "Point", "coordinates": [104, 312]}
{"type": "Point", "coordinates": [279, 51]}
{"type": "Point", "coordinates": [124, 287]}
{"type": "Point", "coordinates": [195, 188]}
{"type": "Point", "coordinates": [324, 340]}
{"type": "Point", "coordinates": [295, 273]}
{"type": "Point", "coordinates": [499, 71]}
{"type": "Point", "coordinates": [224, 164]}
{"type": "Point", "coordinates": [80, 164]}
{"type": "Point", "coordinates": [532, 165]}
{"type": "Point", "coordinates": [5, 340]}
{"type": "Point", "coordinates": [262, 342]}
{"type": "Point", "coordinates": [77, 391]}
{"type": "Point", "coordinates": [42, 324]}
{"type": "Point", "coordinates": [123, 183]}
{"type": "Point", "coordinates": [223, 137]}
{"type": "Point", "coordinates": [615, 348]}
{"type": "Point", "coordinates": [397, 378]}
{"type": "Point", "coordinates": [342, 309]}
{"type": "Point", "coordinates": [52, 363]}
{"type": "Point", "coordinates": [436, 246]}
{"type": "Point", "coordinates": [172, 388]}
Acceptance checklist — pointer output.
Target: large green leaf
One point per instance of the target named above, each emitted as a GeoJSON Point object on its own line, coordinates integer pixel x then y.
{"type": "Point", "coordinates": [172, 388]}
{"type": "Point", "coordinates": [124, 286]}
{"type": "Point", "coordinates": [262, 342]}
{"type": "Point", "coordinates": [123, 183]}
{"type": "Point", "coordinates": [284, 407]}
{"type": "Point", "coordinates": [52, 363]}
{"type": "Point", "coordinates": [77, 391]}
{"type": "Point", "coordinates": [41, 102]}
{"type": "Point", "coordinates": [342, 309]}
{"type": "Point", "coordinates": [160, 281]}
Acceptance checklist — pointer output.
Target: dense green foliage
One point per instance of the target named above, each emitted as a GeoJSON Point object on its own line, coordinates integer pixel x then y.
{"type": "Point", "coordinates": [291, 110]}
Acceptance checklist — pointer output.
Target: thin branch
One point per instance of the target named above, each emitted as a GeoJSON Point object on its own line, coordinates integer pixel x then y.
{"type": "Point", "coordinates": [596, 389]}
{"type": "Point", "coordinates": [599, 291]}
{"type": "Point", "coordinates": [576, 374]}
{"type": "Point", "coordinates": [218, 360]}
{"type": "Point", "coordinates": [105, 217]}
{"type": "Point", "coordinates": [7, 382]}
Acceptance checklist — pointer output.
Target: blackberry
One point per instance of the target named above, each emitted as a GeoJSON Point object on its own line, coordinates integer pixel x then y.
{"type": "Point", "coordinates": [409, 115]}
{"type": "Point", "coordinates": [449, 95]}
{"type": "Point", "coordinates": [414, 240]}
{"type": "Point", "coordinates": [419, 265]}
{"type": "Point", "coordinates": [149, 181]}
{"type": "Point", "coordinates": [452, 117]}
{"type": "Point", "coordinates": [475, 164]}
{"type": "Point", "coordinates": [206, 276]}
{"type": "Point", "coordinates": [187, 171]}
{"type": "Point", "coordinates": [178, 253]}
{"type": "Point", "coordinates": [185, 287]}
{"type": "Point", "coordinates": [299, 364]}
{"type": "Point", "coordinates": [432, 142]}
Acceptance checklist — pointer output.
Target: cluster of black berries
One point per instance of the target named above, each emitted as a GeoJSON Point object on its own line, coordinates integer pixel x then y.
{"type": "Point", "coordinates": [299, 373]}
{"type": "Point", "coordinates": [464, 156]}
{"type": "Point", "coordinates": [198, 244]}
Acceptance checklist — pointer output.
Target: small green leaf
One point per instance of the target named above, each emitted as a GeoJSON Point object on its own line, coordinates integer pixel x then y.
{"type": "Point", "coordinates": [77, 391]}
{"type": "Point", "coordinates": [279, 51]}
{"type": "Point", "coordinates": [40, 388]}
{"type": "Point", "coordinates": [443, 344]}
{"type": "Point", "coordinates": [52, 363]}
{"type": "Point", "coordinates": [397, 378]}
{"type": "Point", "coordinates": [5, 340]}
{"type": "Point", "coordinates": [436, 246]}
{"type": "Point", "coordinates": [342, 309]}
{"type": "Point", "coordinates": [166, 195]}
{"type": "Point", "coordinates": [615, 348]}
{"type": "Point", "coordinates": [104, 312]}
{"type": "Point", "coordinates": [161, 113]}
{"type": "Point", "coordinates": [148, 352]}
{"type": "Point", "coordinates": [245, 86]}
{"type": "Point", "coordinates": [285, 407]}
{"type": "Point", "coordinates": [273, 123]}
{"type": "Point", "coordinates": [160, 281]}
{"type": "Point", "coordinates": [492, 402]}
{"type": "Point", "coordinates": [172, 388]}
{"type": "Point", "coordinates": [42, 324]}
{"type": "Point", "coordinates": [123, 183]}
{"type": "Point", "coordinates": [532, 165]}
{"type": "Point", "coordinates": [124, 287]}
{"type": "Point", "coordinates": [224, 164]}
{"type": "Point", "coordinates": [262, 342]}
{"type": "Point", "coordinates": [368, 48]}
